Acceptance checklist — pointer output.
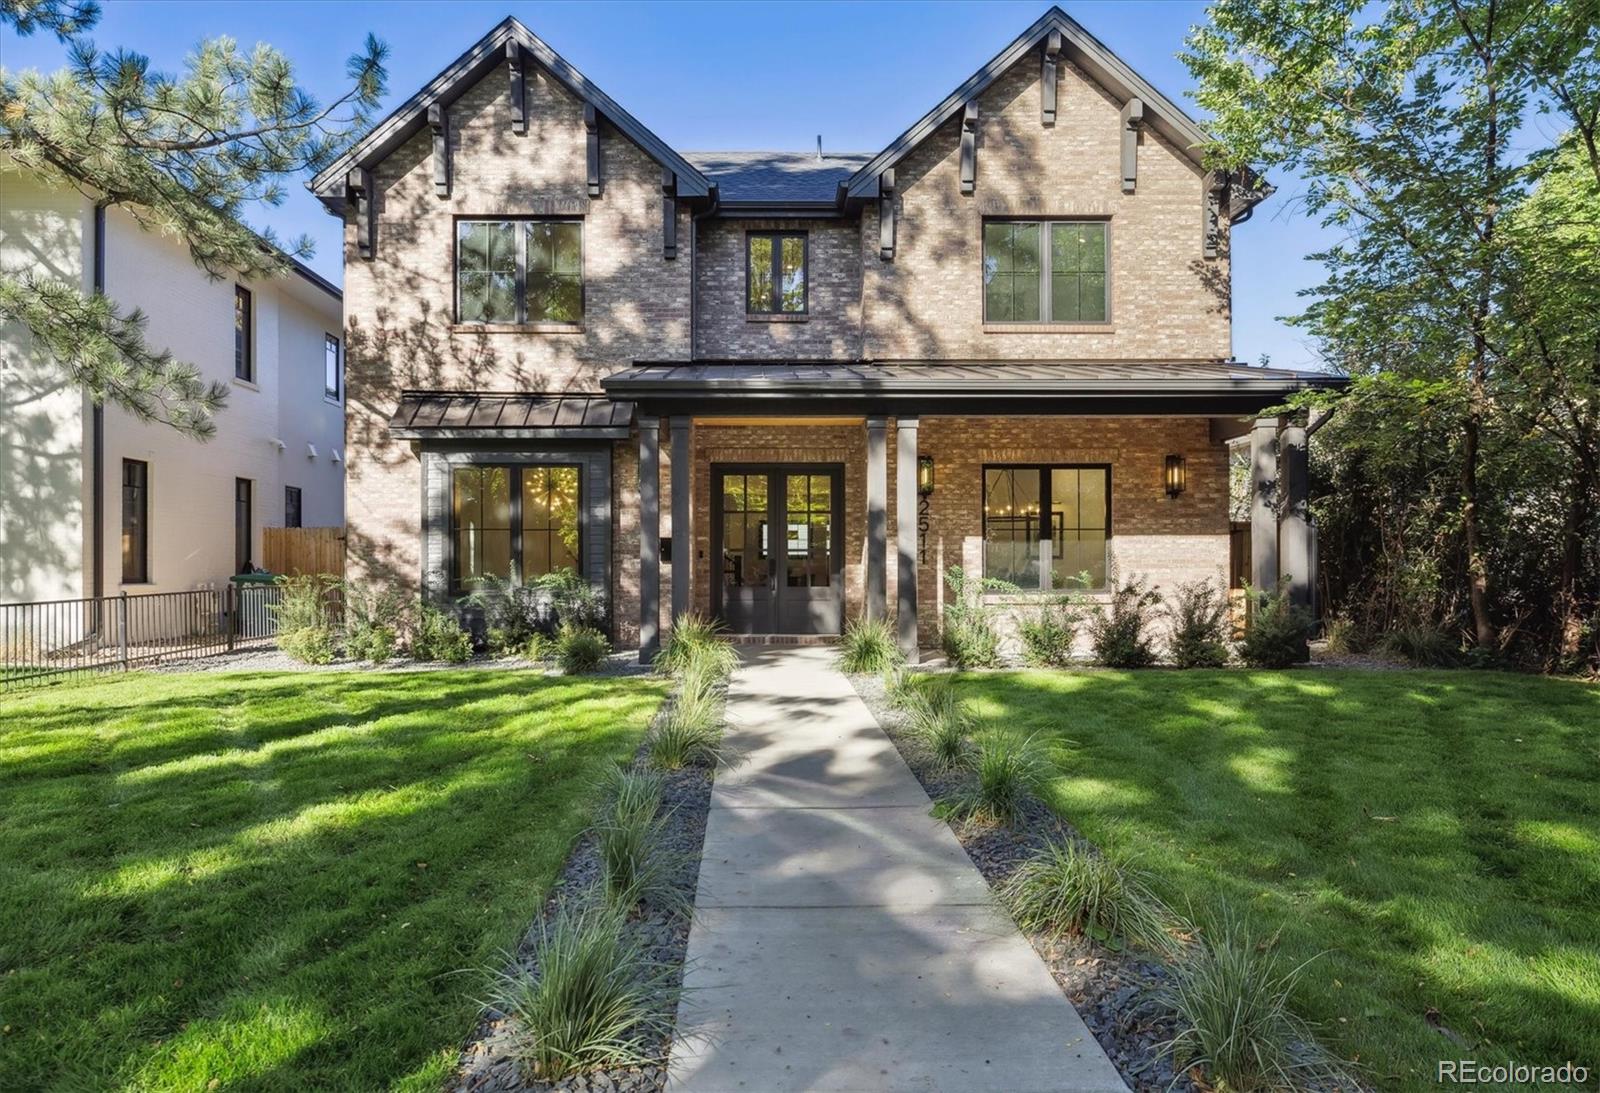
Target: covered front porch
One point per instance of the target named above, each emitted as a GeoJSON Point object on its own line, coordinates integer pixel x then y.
{"type": "Point", "coordinates": [797, 496]}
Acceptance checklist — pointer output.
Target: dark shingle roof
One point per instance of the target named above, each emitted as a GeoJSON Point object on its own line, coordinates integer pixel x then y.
{"type": "Point", "coordinates": [777, 176]}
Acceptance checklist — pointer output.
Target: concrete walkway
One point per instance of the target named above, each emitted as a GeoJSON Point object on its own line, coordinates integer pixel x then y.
{"type": "Point", "coordinates": [842, 939]}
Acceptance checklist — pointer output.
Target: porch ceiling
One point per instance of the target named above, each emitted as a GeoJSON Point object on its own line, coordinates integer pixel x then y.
{"type": "Point", "coordinates": [1008, 387]}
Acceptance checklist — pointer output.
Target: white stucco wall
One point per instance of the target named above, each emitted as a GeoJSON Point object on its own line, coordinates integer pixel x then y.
{"type": "Point", "coordinates": [45, 493]}
{"type": "Point", "coordinates": [44, 501]}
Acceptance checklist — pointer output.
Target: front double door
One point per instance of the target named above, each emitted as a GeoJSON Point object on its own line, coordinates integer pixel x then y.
{"type": "Point", "coordinates": [781, 535]}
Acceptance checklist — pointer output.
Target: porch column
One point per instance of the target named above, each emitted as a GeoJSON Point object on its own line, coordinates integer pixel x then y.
{"type": "Point", "coordinates": [682, 489]}
{"type": "Point", "coordinates": [1264, 570]}
{"type": "Point", "coordinates": [905, 520]}
{"type": "Point", "coordinates": [649, 538]}
{"type": "Point", "coordinates": [877, 518]}
{"type": "Point", "coordinates": [1294, 533]}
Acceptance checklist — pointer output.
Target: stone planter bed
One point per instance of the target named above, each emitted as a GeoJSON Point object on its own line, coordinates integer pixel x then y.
{"type": "Point", "coordinates": [486, 1063]}
{"type": "Point", "coordinates": [1117, 994]}
{"type": "Point", "coordinates": [272, 659]}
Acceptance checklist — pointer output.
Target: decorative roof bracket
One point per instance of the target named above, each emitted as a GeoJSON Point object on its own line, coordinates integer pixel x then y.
{"type": "Point", "coordinates": [969, 148]}
{"type": "Point", "coordinates": [1132, 122]}
{"type": "Point", "coordinates": [438, 122]}
{"type": "Point", "coordinates": [886, 215]}
{"type": "Point", "coordinates": [358, 193]}
{"type": "Point", "coordinates": [669, 213]}
{"type": "Point", "coordinates": [1216, 184]}
{"type": "Point", "coordinates": [1047, 78]}
{"type": "Point", "coordinates": [591, 125]}
{"type": "Point", "coordinates": [519, 88]}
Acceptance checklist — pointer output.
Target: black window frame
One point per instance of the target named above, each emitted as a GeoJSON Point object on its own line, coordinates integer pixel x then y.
{"type": "Point", "coordinates": [514, 472]}
{"type": "Point", "coordinates": [1046, 295]}
{"type": "Point", "coordinates": [521, 290]}
{"type": "Point", "coordinates": [331, 344]}
{"type": "Point", "coordinates": [1045, 508]}
{"type": "Point", "coordinates": [777, 236]}
{"type": "Point", "coordinates": [244, 334]}
{"type": "Point", "coordinates": [141, 496]}
{"type": "Point", "coordinates": [244, 529]}
{"type": "Point", "coordinates": [293, 506]}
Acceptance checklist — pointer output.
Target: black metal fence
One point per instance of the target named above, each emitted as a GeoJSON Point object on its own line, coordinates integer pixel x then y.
{"type": "Point", "coordinates": [47, 641]}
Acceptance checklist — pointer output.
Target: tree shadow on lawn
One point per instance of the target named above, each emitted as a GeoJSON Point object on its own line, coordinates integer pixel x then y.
{"type": "Point", "coordinates": [1429, 840]}
{"type": "Point", "coordinates": [273, 880]}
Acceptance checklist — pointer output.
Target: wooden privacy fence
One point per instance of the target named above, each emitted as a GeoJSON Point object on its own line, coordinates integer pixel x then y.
{"type": "Point", "coordinates": [303, 550]}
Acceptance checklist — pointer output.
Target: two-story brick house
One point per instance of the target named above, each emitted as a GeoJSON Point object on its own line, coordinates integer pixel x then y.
{"type": "Point", "coordinates": [787, 388]}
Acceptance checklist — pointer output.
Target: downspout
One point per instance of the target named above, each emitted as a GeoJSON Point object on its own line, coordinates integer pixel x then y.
{"type": "Point", "coordinates": [694, 258]}
{"type": "Point", "coordinates": [97, 515]}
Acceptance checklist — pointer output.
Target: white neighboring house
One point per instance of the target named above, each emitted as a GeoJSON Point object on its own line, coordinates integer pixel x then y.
{"type": "Point", "coordinates": [169, 513]}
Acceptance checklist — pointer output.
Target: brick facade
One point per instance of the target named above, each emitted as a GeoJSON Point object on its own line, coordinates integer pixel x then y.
{"type": "Point", "coordinates": [1167, 302]}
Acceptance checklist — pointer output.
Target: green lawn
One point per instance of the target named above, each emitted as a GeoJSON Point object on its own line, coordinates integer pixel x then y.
{"type": "Point", "coordinates": [1434, 836]}
{"type": "Point", "coordinates": [276, 881]}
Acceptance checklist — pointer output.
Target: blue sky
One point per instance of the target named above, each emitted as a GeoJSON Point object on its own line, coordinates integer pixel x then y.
{"type": "Point", "coordinates": [712, 76]}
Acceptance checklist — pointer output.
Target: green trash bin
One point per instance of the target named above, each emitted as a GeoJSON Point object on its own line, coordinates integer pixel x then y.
{"type": "Point", "coordinates": [253, 597]}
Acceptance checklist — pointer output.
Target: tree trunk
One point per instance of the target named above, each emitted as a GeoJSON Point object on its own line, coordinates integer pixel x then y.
{"type": "Point", "coordinates": [1571, 603]}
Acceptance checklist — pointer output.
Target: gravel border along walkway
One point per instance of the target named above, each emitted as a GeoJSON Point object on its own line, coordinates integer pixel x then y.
{"type": "Point", "coordinates": [1116, 994]}
{"type": "Point", "coordinates": [486, 1066]}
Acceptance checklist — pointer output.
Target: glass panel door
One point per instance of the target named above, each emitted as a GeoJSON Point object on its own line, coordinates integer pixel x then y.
{"type": "Point", "coordinates": [746, 551]}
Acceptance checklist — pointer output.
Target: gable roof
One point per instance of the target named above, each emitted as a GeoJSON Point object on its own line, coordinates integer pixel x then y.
{"type": "Point", "coordinates": [1090, 54]}
{"type": "Point", "coordinates": [767, 177]}
{"type": "Point", "coordinates": [466, 70]}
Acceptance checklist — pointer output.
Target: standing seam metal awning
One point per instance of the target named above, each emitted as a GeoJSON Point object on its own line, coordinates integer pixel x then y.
{"type": "Point", "coordinates": [467, 415]}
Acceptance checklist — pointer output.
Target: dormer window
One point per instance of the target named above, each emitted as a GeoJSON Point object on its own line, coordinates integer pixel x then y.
{"type": "Point", "coordinates": [775, 273]}
{"type": "Point", "coordinates": [519, 271]}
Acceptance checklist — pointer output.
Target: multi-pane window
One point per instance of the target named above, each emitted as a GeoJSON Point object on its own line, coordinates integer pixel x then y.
{"type": "Point", "coordinates": [291, 506]}
{"type": "Point", "coordinates": [244, 357]}
{"type": "Point", "coordinates": [513, 522]}
{"type": "Point", "coordinates": [135, 521]}
{"type": "Point", "coordinates": [332, 376]}
{"type": "Point", "coordinates": [1047, 527]}
{"type": "Point", "coordinates": [1044, 271]}
{"type": "Point", "coordinates": [519, 271]}
{"type": "Point", "coordinates": [775, 273]}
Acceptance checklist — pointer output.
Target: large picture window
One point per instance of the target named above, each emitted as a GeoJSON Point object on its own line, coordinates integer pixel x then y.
{"type": "Point", "coordinates": [1051, 271]}
{"type": "Point", "coordinates": [515, 523]}
{"type": "Point", "coordinates": [1068, 507]}
{"type": "Point", "coordinates": [519, 271]}
{"type": "Point", "coordinates": [775, 273]}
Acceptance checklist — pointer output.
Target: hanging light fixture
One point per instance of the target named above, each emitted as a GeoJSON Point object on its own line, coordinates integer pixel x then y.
{"type": "Point", "coordinates": [925, 475]}
{"type": "Point", "coordinates": [1176, 475]}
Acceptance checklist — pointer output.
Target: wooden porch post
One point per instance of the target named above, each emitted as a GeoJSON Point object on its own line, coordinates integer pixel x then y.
{"type": "Point", "coordinates": [682, 488]}
{"type": "Point", "coordinates": [649, 538]}
{"type": "Point", "coordinates": [877, 518]}
{"type": "Point", "coordinates": [1264, 566]}
{"type": "Point", "coordinates": [905, 519]}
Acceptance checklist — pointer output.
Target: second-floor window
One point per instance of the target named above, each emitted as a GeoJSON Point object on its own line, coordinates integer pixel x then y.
{"type": "Point", "coordinates": [244, 322]}
{"type": "Point", "coordinates": [519, 271]}
{"type": "Point", "coordinates": [775, 273]}
{"type": "Point", "coordinates": [1045, 271]}
{"type": "Point", "coordinates": [331, 376]}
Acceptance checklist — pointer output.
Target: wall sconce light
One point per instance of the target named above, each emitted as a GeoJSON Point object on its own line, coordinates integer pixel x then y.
{"type": "Point", "coordinates": [1176, 475]}
{"type": "Point", "coordinates": [925, 474]}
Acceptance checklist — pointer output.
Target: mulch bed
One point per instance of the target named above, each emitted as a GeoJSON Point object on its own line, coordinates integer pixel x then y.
{"type": "Point", "coordinates": [1116, 994]}
{"type": "Point", "coordinates": [487, 1065]}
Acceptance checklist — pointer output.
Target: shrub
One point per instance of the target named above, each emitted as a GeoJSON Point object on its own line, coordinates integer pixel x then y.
{"type": "Point", "coordinates": [941, 720]}
{"type": "Point", "coordinates": [512, 613]}
{"type": "Point", "coordinates": [1232, 1001]}
{"type": "Point", "coordinates": [690, 733]}
{"type": "Point", "coordinates": [868, 647]}
{"type": "Point", "coordinates": [1276, 635]}
{"type": "Point", "coordinates": [634, 868]}
{"type": "Point", "coordinates": [573, 600]}
{"type": "Point", "coordinates": [1006, 768]}
{"type": "Point", "coordinates": [303, 603]}
{"type": "Point", "coordinates": [967, 631]}
{"type": "Point", "coordinates": [1199, 617]}
{"type": "Point", "coordinates": [1069, 888]}
{"type": "Point", "coordinates": [1422, 646]}
{"type": "Point", "coordinates": [695, 639]}
{"type": "Point", "coordinates": [373, 620]}
{"type": "Point", "coordinates": [307, 644]}
{"type": "Point", "coordinates": [1121, 631]}
{"type": "Point", "coordinates": [632, 790]}
{"type": "Point", "coordinates": [439, 636]}
{"type": "Point", "coordinates": [599, 999]}
{"type": "Point", "coordinates": [540, 647]}
{"type": "Point", "coordinates": [1048, 634]}
{"type": "Point", "coordinates": [1343, 635]}
{"type": "Point", "coordinates": [580, 649]}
